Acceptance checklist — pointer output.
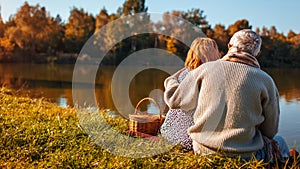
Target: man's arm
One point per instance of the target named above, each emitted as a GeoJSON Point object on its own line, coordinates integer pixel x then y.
{"type": "Point", "coordinates": [182, 95]}
{"type": "Point", "coordinates": [271, 112]}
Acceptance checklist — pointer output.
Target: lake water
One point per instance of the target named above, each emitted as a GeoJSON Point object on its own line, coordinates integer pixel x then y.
{"type": "Point", "coordinates": [54, 82]}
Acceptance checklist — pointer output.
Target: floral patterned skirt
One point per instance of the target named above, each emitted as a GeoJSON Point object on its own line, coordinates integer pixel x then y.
{"type": "Point", "coordinates": [175, 126]}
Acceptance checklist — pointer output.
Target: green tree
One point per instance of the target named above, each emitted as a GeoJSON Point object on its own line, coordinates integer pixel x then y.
{"type": "Point", "coordinates": [79, 28]}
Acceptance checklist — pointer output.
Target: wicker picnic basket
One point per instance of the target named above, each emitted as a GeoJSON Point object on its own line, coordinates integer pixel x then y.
{"type": "Point", "coordinates": [145, 123]}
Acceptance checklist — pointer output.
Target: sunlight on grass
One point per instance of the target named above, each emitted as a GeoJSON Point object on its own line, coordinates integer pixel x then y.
{"type": "Point", "coordinates": [36, 133]}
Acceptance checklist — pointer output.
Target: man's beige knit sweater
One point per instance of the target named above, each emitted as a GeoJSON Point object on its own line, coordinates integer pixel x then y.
{"type": "Point", "coordinates": [235, 105]}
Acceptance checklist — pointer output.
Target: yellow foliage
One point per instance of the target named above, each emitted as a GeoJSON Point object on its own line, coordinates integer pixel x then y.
{"type": "Point", "coordinates": [171, 45]}
{"type": "Point", "coordinates": [6, 45]}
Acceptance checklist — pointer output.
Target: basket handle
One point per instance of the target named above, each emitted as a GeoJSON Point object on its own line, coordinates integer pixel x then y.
{"type": "Point", "coordinates": [150, 99]}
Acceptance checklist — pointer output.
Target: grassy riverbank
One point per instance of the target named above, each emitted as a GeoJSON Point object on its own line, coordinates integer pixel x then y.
{"type": "Point", "coordinates": [38, 134]}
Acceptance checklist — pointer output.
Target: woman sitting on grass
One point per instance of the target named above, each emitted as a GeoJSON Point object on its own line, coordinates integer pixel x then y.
{"type": "Point", "coordinates": [177, 121]}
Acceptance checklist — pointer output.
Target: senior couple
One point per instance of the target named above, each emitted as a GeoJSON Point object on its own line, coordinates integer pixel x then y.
{"type": "Point", "coordinates": [225, 105]}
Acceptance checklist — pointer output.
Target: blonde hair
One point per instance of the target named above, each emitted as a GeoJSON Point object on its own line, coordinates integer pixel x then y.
{"type": "Point", "coordinates": [202, 50]}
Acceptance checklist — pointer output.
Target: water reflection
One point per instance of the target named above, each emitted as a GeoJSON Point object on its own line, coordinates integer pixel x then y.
{"type": "Point", "coordinates": [54, 81]}
{"type": "Point", "coordinates": [288, 83]}
{"type": "Point", "coordinates": [62, 101]}
{"type": "Point", "coordinates": [289, 124]}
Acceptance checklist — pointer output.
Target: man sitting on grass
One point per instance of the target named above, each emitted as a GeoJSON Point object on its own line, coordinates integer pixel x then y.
{"type": "Point", "coordinates": [237, 103]}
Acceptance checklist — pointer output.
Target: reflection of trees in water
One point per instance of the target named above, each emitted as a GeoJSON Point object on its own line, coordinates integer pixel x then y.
{"type": "Point", "coordinates": [15, 83]}
{"type": "Point", "coordinates": [287, 81]}
{"type": "Point", "coordinates": [54, 82]}
{"type": "Point", "coordinates": [103, 93]}
{"type": "Point", "coordinates": [146, 83]}
{"type": "Point", "coordinates": [38, 89]}
{"type": "Point", "coordinates": [140, 87]}
{"type": "Point", "coordinates": [37, 71]}
{"type": "Point", "coordinates": [293, 94]}
{"type": "Point", "coordinates": [38, 81]}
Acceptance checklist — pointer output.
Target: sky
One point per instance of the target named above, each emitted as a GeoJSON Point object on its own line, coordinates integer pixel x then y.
{"type": "Point", "coordinates": [284, 15]}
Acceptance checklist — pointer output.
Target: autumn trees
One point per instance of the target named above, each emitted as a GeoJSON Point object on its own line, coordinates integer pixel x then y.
{"type": "Point", "coordinates": [79, 28]}
{"type": "Point", "coordinates": [33, 35]}
{"type": "Point", "coordinates": [32, 31]}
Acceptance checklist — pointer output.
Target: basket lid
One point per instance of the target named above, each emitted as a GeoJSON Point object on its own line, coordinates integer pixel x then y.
{"type": "Point", "coordinates": [144, 118]}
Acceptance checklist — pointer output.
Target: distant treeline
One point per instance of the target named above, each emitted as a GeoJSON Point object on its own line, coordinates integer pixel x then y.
{"type": "Point", "coordinates": [32, 35]}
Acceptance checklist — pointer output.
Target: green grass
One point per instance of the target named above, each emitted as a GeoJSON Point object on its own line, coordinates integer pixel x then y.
{"type": "Point", "coordinates": [38, 134]}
